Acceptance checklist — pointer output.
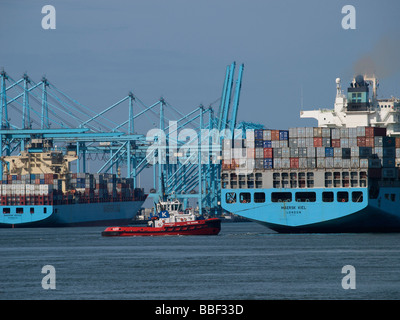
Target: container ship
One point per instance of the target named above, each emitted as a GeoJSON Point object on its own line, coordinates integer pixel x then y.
{"type": "Point", "coordinates": [38, 190]}
{"type": "Point", "coordinates": [342, 176]}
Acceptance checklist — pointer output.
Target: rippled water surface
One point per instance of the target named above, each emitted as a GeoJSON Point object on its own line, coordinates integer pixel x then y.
{"type": "Point", "coordinates": [245, 261]}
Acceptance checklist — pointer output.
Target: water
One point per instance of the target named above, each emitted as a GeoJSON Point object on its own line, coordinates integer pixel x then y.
{"type": "Point", "coordinates": [245, 261]}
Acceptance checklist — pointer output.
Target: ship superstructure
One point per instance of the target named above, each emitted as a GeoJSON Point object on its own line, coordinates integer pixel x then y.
{"type": "Point", "coordinates": [360, 107]}
{"type": "Point", "coordinates": [342, 176]}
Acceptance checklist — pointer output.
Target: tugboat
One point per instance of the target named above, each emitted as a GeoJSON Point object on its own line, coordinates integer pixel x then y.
{"type": "Point", "coordinates": [170, 219]}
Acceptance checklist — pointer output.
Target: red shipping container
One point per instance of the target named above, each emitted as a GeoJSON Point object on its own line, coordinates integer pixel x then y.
{"type": "Point", "coordinates": [335, 143]}
{"type": "Point", "coordinates": [317, 142]}
{"type": "Point", "coordinates": [275, 135]}
{"type": "Point", "coordinates": [294, 163]}
{"type": "Point", "coordinates": [361, 142]}
{"type": "Point", "coordinates": [370, 142]}
{"type": "Point", "coordinates": [397, 142]}
{"type": "Point", "coordinates": [267, 152]}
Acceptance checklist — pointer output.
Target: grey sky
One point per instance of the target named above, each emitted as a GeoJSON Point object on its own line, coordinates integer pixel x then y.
{"type": "Point", "coordinates": [180, 49]}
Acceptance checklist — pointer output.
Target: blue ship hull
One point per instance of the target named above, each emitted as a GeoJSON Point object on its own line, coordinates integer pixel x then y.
{"type": "Point", "coordinates": [72, 215]}
{"type": "Point", "coordinates": [368, 215]}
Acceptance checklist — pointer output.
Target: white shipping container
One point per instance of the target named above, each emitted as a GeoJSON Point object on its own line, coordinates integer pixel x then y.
{"type": "Point", "coordinates": [335, 133]}
{"type": "Point", "coordinates": [346, 163]}
{"type": "Point", "coordinates": [326, 132]}
{"type": "Point", "coordinates": [364, 163]}
{"type": "Point", "coordinates": [277, 163]}
{"type": "Point", "coordinates": [309, 132]}
{"type": "Point", "coordinates": [338, 163]}
{"type": "Point", "coordinates": [354, 162]}
{"type": "Point", "coordinates": [285, 163]}
{"type": "Point", "coordinates": [352, 132]}
{"type": "Point", "coordinates": [301, 143]}
{"type": "Point", "coordinates": [355, 152]}
{"type": "Point", "coordinates": [286, 152]}
{"type": "Point", "coordinates": [320, 163]}
{"type": "Point", "coordinates": [267, 135]}
{"type": "Point", "coordinates": [344, 132]}
{"type": "Point", "coordinates": [302, 163]}
{"type": "Point", "coordinates": [329, 162]}
{"type": "Point", "coordinates": [337, 153]}
{"type": "Point", "coordinates": [301, 132]}
{"type": "Point", "coordinates": [250, 135]}
{"type": "Point", "coordinates": [293, 132]}
{"type": "Point", "coordinates": [352, 141]}
{"type": "Point", "coordinates": [310, 152]}
{"type": "Point", "coordinates": [360, 131]}
{"type": "Point", "coordinates": [283, 143]}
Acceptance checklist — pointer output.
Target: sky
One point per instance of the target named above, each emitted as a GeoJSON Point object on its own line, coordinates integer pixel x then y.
{"type": "Point", "coordinates": [179, 49]}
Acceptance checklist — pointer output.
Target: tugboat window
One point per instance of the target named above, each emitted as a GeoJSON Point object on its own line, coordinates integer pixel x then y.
{"type": "Point", "coordinates": [281, 197]}
{"type": "Point", "coordinates": [231, 197]}
{"type": "Point", "coordinates": [245, 197]}
{"type": "Point", "coordinates": [259, 197]}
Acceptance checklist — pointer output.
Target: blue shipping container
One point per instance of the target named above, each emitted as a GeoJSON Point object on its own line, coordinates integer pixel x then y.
{"type": "Point", "coordinates": [268, 163]}
{"type": "Point", "coordinates": [258, 134]}
{"type": "Point", "coordinates": [258, 144]}
{"type": "Point", "coordinates": [283, 134]}
{"type": "Point", "coordinates": [329, 152]}
{"type": "Point", "coordinates": [389, 142]}
{"type": "Point", "coordinates": [267, 144]}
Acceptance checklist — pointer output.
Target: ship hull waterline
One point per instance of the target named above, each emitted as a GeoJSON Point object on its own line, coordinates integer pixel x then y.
{"type": "Point", "coordinates": [72, 215]}
{"type": "Point", "coordinates": [379, 215]}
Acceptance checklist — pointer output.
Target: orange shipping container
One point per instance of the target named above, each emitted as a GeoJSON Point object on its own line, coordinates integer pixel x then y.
{"type": "Point", "coordinates": [275, 135]}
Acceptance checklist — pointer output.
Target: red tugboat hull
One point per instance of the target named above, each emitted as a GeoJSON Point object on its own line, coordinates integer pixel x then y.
{"type": "Point", "coordinates": [190, 228]}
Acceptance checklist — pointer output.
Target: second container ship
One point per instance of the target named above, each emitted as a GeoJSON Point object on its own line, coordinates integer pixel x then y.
{"type": "Point", "coordinates": [38, 190]}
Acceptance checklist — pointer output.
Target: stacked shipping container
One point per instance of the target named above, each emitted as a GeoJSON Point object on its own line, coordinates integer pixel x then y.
{"type": "Point", "coordinates": [317, 148]}
{"type": "Point", "coordinates": [48, 189]}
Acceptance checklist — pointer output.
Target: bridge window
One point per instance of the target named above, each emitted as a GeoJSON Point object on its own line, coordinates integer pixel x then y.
{"type": "Point", "coordinates": [259, 197]}
{"type": "Point", "coordinates": [6, 210]}
{"type": "Point", "coordinates": [327, 196]}
{"type": "Point", "coordinates": [357, 196]}
{"type": "Point", "coordinates": [342, 196]}
{"type": "Point", "coordinates": [281, 197]}
{"type": "Point", "coordinates": [306, 196]}
{"type": "Point", "coordinates": [245, 197]}
{"type": "Point", "coordinates": [19, 210]}
{"type": "Point", "coordinates": [231, 197]}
